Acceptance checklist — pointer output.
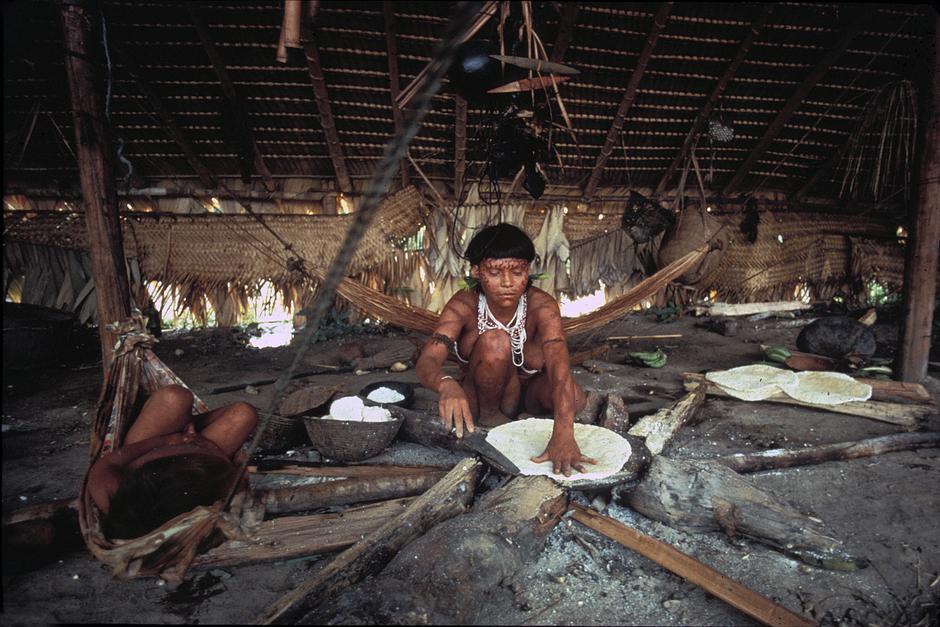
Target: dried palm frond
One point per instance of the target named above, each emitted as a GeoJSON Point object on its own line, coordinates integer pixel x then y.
{"type": "Point", "coordinates": [879, 156]}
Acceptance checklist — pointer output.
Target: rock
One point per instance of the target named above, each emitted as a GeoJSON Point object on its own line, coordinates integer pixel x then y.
{"type": "Point", "coordinates": [615, 415]}
{"type": "Point", "coordinates": [837, 336]}
{"type": "Point", "coordinates": [398, 367]}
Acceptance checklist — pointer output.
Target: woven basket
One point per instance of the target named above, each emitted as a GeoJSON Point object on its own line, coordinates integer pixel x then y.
{"type": "Point", "coordinates": [351, 441]}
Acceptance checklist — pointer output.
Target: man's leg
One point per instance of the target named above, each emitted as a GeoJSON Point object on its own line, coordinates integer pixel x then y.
{"type": "Point", "coordinates": [539, 396]}
{"type": "Point", "coordinates": [228, 427]}
{"type": "Point", "coordinates": [168, 410]}
{"type": "Point", "coordinates": [491, 384]}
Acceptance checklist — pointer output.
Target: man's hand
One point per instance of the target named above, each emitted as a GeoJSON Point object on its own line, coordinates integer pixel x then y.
{"type": "Point", "coordinates": [563, 452]}
{"type": "Point", "coordinates": [454, 407]}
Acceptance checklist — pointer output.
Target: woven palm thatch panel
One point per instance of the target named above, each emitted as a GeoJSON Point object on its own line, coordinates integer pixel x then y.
{"type": "Point", "coordinates": [219, 249]}
{"type": "Point", "coordinates": [792, 250]}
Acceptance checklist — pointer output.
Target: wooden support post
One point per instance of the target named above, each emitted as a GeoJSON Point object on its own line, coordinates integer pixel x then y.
{"type": "Point", "coordinates": [96, 172]}
{"type": "Point", "coordinates": [460, 145]}
{"type": "Point", "coordinates": [731, 592]}
{"type": "Point", "coordinates": [659, 21]}
{"type": "Point", "coordinates": [920, 267]}
{"type": "Point", "coordinates": [783, 116]}
{"type": "Point", "coordinates": [451, 496]}
{"type": "Point", "coordinates": [713, 98]}
{"type": "Point", "coordinates": [394, 80]}
{"type": "Point", "coordinates": [327, 121]}
{"type": "Point", "coordinates": [228, 88]}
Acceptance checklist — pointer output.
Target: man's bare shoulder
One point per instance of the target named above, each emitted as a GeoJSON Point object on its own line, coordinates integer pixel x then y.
{"type": "Point", "coordinates": [463, 303]}
{"type": "Point", "coordinates": [541, 300]}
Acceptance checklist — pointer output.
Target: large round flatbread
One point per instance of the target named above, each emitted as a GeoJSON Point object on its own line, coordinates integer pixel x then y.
{"type": "Point", "coordinates": [752, 383]}
{"type": "Point", "coordinates": [522, 440]}
{"type": "Point", "coordinates": [827, 388]}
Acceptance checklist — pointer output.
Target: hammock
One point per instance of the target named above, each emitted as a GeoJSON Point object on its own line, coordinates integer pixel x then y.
{"type": "Point", "coordinates": [402, 314]}
{"type": "Point", "coordinates": [168, 550]}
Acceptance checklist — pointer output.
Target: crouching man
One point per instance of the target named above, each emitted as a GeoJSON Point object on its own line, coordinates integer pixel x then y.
{"type": "Point", "coordinates": [509, 336]}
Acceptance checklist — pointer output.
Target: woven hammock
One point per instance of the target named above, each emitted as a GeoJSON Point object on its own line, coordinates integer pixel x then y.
{"type": "Point", "coordinates": [402, 314]}
{"type": "Point", "coordinates": [168, 550]}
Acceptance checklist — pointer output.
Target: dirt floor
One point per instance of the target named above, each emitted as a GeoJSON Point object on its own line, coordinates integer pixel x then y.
{"type": "Point", "coordinates": [884, 508]}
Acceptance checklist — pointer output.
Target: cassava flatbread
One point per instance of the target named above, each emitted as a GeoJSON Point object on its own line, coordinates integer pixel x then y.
{"type": "Point", "coordinates": [752, 383]}
{"type": "Point", "coordinates": [522, 440]}
{"type": "Point", "coordinates": [827, 388]}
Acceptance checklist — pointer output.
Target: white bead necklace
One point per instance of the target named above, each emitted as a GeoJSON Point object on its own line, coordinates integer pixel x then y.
{"type": "Point", "coordinates": [486, 321]}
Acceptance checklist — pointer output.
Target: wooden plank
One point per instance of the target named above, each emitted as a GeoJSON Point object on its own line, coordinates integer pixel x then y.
{"type": "Point", "coordinates": [747, 309]}
{"type": "Point", "coordinates": [292, 537]}
{"type": "Point", "coordinates": [783, 458]}
{"type": "Point", "coordinates": [731, 592]}
{"type": "Point", "coordinates": [894, 413]}
{"type": "Point", "coordinates": [920, 266]}
{"type": "Point", "coordinates": [345, 491]}
{"type": "Point", "coordinates": [756, 26]}
{"type": "Point", "coordinates": [371, 470]}
{"type": "Point", "coordinates": [898, 391]}
{"type": "Point", "coordinates": [793, 102]}
{"type": "Point", "coordinates": [659, 21]}
{"type": "Point", "coordinates": [394, 79]}
{"type": "Point", "coordinates": [96, 173]}
{"type": "Point", "coordinates": [327, 121]}
{"type": "Point", "coordinates": [451, 496]}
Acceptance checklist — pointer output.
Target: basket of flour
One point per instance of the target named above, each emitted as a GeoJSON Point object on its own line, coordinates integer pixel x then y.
{"type": "Point", "coordinates": [352, 431]}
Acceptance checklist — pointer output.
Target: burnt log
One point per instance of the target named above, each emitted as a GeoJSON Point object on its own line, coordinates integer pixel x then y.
{"type": "Point", "coordinates": [441, 577]}
{"type": "Point", "coordinates": [698, 495]}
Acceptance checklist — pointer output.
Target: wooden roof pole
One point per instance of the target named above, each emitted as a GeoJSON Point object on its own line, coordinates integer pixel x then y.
{"type": "Point", "coordinates": [228, 88]}
{"type": "Point", "coordinates": [394, 79]}
{"type": "Point", "coordinates": [170, 124]}
{"type": "Point", "coordinates": [315, 70]}
{"type": "Point", "coordinates": [756, 26]}
{"type": "Point", "coordinates": [460, 145]}
{"type": "Point", "coordinates": [783, 116]}
{"type": "Point", "coordinates": [659, 21]}
{"type": "Point", "coordinates": [96, 172]}
{"type": "Point", "coordinates": [565, 32]}
{"type": "Point", "coordinates": [920, 267]}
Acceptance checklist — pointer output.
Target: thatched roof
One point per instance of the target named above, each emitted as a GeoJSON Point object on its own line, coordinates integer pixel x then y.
{"type": "Point", "coordinates": [794, 100]}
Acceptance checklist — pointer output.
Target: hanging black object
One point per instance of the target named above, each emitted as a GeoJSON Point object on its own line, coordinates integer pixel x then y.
{"type": "Point", "coordinates": [644, 219]}
{"type": "Point", "coordinates": [534, 181]}
{"type": "Point", "coordinates": [474, 71]}
{"type": "Point", "coordinates": [751, 220]}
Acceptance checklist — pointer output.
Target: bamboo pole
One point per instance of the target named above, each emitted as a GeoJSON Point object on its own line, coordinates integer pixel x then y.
{"type": "Point", "coordinates": [920, 267]}
{"type": "Point", "coordinates": [96, 172]}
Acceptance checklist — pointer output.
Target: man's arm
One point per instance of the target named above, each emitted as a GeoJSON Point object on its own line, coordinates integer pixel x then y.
{"type": "Point", "coordinates": [453, 406]}
{"type": "Point", "coordinates": [562, 449]}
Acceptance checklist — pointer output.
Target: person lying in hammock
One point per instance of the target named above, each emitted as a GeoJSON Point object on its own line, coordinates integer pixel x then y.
{"type": "Point", "coordinates": [171, 462]}
{"type": "Point", "coordinates": [509, 336]}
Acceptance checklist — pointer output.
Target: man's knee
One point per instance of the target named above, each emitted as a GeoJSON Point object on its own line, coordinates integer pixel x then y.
{"type": "Point", "coordinates": [494, 348]}
{"type": "Point", "coordinates": [175, 396]}
{"type": "Point", "coordinates": [243, 416]}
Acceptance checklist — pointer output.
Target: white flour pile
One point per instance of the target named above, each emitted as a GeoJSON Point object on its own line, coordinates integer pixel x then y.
{"type": "Point", "coordinates": [351, 408]}
{"type": "Point", "coordinates": [385, 395]}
